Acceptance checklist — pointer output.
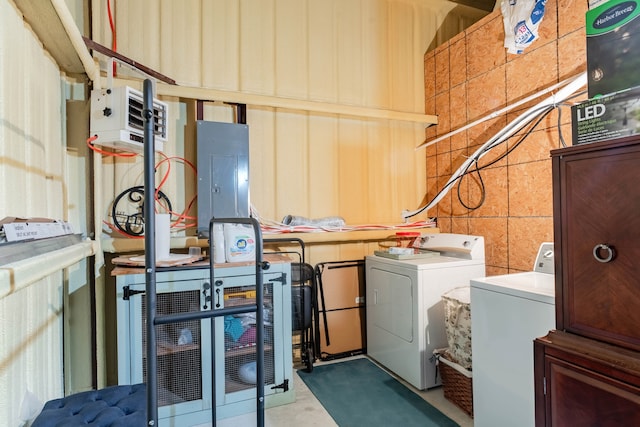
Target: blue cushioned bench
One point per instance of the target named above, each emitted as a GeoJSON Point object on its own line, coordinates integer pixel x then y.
{"type": "Point", "coordinates": [117, 406]}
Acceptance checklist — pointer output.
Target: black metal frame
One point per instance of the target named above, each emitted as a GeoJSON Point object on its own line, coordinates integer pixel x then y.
{"type": "Point", "coordinates": [150, 285]}
{"type": "Point", "coordinates": [308, 347]}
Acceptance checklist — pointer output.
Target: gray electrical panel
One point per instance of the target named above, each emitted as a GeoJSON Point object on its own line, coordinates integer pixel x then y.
{"type": "Point", "coordinates": [223, 172]}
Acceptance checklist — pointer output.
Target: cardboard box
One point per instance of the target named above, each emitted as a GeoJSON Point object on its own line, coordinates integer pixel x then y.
{"type": "Point", "coordinates": [595, 3]}
{"type": "Point", "coordinates": [608, 117]}
{"type": "Point", "coordinates": [613, 46]}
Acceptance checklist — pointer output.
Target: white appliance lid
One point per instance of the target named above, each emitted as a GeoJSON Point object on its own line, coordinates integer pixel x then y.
{"type": "Point", "coordinates": [530, 284]}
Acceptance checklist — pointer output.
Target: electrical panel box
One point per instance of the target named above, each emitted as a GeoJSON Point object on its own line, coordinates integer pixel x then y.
{"type": "Point", "coordinates": [117, 119]}
{"type": "Point", "coordinates": [223, 172]}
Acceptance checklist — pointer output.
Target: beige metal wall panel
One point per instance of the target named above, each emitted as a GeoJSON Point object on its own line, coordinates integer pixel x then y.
{"type": "Point", "coordinates": [351, 171]}
{"type": "Point", "coordinates": [262, 143]}
{"type": "Point", "coordinates": [322, 44]}
{"type": "Point", "coordinates": [291, 38]}
{"type": "Point", "coordinates": [257, 49]}
{"type": "Point", "coordinates": [291, 164]}
{"type": "Point", "coordinates": [12, 142]}
{"type": "Point", "coordinates": [324, 186]}
{"type": "Point", "coordinates": [354, 52]}
{"type": "Point", "coordinates": [30, 347]}
{"type": "Point", "coordinates": [138, 30]}
{"type": "Point", "coordinates": [403, 49]}
{"type": "Point", "coordinates": [181, 39]}
{"type": "Point", "coordinates": [376, 53]}
{"type": "Point", "coordinates": [221, 44]}
{"type": "Point", "coordinates": [352, 76]}
{"type": "Point", "coordinates": [34, 182]}
{"type": "Point", "coordinates": [30, 126]}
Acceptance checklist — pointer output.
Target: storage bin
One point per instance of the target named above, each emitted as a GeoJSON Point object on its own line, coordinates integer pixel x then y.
{"type": "Point", "coordinates": [457, 382]}
{"type": "Point", "coordinates": [457, 313]}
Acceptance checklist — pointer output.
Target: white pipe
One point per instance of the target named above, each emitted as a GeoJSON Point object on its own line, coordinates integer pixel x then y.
{"type": "Point", "coordinates": [550, 102]}
{"type": "Point", "coordinates": [496, 113]}
{"type": "Point", "coordinates": [90, 67]}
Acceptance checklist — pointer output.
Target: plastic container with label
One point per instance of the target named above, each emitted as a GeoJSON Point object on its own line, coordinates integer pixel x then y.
{"type": "Point", "coordinates": [239, 242]}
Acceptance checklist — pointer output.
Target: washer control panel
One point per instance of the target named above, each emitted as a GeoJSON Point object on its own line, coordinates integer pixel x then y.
{"type": "Point", "coordinates": [544, 260]}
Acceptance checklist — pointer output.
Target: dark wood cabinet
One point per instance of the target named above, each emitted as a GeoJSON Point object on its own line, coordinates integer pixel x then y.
{"type": "Point", "coordinates": [587, 372]}
{"type": "Point", "coordinates": [597, 240]}
{"type": "Point", "coordinates": [584, 382]}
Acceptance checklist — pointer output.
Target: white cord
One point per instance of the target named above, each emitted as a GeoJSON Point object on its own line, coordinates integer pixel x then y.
{"type": "Point", "coordinates": [495, 113]}
{"type": "Point", "coordinates": [504, 134]}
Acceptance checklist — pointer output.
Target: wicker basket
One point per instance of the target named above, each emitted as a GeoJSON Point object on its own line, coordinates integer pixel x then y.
{"type": "Point", "coordinates": [457, 383]}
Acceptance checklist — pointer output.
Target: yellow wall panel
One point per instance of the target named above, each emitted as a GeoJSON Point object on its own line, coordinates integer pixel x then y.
{"type": "Point", "coordinates": [221, 44]}
{"type": "Point", "coordinates": [352, 75]}
{"type": "Point", "coordinates": [181, 40]}
{"type": "Point", "coordinates": [290, 165]}
{"type": "Point", "coordinates": [31, 149]}
{"type": "Point", "coordinates": [291, 49]}
{"type": "Point", "coordinates": [322, 45]}
{"type": "Point", "coordinates": [353, 190]}
{"type": "Point", "coordinates": [32, 183]}
{"type": "Point", "coordinates": [257, 49]}
{"type": "Point", "coordinates": [358, 52]}
{"type": "Point", "coordinates": [324, 185]}
{"type": "Point", "coordinates": [262, 145]}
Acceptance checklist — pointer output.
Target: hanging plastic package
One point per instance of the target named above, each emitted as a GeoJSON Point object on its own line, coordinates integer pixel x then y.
{"type": "Point", "coordinates": [521, 21]}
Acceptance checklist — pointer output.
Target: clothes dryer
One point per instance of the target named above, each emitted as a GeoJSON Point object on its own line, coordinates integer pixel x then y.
{"type": "Point", "coordinates": [404, 307]}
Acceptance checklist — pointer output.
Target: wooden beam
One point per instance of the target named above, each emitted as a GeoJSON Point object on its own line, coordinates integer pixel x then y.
{"type": "Point", "coordinates": [206, 94]}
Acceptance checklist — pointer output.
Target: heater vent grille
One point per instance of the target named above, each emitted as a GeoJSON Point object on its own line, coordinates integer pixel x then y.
{"type": "Point", "coordinates": [117, 119]}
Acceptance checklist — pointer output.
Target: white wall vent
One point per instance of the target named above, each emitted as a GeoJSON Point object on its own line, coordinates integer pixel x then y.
{"type": "Point", "coordinates": [116, 119]}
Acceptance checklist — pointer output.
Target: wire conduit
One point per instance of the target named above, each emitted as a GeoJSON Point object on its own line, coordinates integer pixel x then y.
{"type": "Point", "coordinates": [504, 134]}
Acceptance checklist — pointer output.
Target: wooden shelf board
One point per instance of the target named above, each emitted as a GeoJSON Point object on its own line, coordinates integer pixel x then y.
{"type": "Point", "coordinates": [122, 245]}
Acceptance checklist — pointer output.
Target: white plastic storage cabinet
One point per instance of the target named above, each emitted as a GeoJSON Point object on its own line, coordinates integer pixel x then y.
{"type": "Point", "coordinates": [185, 351]}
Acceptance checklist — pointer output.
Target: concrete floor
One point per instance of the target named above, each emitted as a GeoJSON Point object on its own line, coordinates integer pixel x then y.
{"type": "Point", "coordinates": [308, 412]}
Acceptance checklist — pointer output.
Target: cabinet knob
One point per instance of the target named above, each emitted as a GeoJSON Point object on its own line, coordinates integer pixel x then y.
{"type": "Point", "coordinates": [606, 250]}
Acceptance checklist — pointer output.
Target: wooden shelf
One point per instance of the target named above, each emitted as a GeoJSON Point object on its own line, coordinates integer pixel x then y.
{"type": "Point", "coordinates": [245, 351]}
{"type": "Point", "coordinates": [239, 302]}
{"type": "Point", "coordinates": [347, 236]}
{"type": "Point", "coordinates": [123, 245]}
{"type": "Point", "coordinates": [165, 348]}
{"type": "Point", "coordinates": [205, 94]}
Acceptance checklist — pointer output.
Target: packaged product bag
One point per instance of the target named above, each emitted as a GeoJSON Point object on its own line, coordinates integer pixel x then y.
{"type": "Point", "coordinates": [521, 21]}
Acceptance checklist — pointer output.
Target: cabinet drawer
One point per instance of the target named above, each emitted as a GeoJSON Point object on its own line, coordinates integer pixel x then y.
{"type": "Point", "coordinates": [582, 382]}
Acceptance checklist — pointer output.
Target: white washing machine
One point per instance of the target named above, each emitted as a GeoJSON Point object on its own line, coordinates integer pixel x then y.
{"type": "Point", "coordinates": [405, 312]}
{"type": "Point", "coordinates": [507, 313]}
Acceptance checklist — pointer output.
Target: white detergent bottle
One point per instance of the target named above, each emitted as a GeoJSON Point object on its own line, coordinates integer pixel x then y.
{"type": "Point", "coordinates": [219, 255]}
{"type": "Point", "coordinates": [239, 242]}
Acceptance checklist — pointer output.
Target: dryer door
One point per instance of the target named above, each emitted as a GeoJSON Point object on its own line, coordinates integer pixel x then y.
{"type": "Point", "coordinates": [390, 305]}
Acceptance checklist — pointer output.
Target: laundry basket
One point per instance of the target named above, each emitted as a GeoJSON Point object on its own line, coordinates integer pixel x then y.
{"type": "Point", "coordinates": [457, 382]}
{"type": "Point", "coordinates": [457, 313]}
